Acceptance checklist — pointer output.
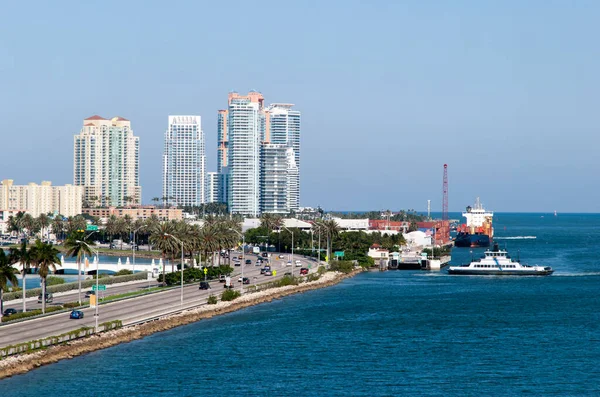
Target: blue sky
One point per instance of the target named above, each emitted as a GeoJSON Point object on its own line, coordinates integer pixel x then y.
{"type": "Point", "coordinates": [505, 92]}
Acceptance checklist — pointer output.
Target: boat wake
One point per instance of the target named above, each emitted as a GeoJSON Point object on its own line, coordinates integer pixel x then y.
{"type": "Point", "coordinates": [516, 238]}
{"type": "Point", "coordinates": [576, 274]}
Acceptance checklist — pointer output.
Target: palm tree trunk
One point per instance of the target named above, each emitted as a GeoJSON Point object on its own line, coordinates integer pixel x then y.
{"type": "Point", "coordinates": [44, 295]}
{"type": "Point", "coordinates": [1, 303]}
{"type": "Point", "coordinates": [24, 289]}
{"type": "Point", "coordinates": [79, 279]}
{"type": "Point", "coordinates": [163, 269]}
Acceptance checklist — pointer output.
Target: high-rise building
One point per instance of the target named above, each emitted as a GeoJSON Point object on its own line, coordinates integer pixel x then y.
{"type": "Point", "coordinates": [211, 187]}
{"type": "Point", "coordinates": [247, 131]}
{"type": "Point", "coordinates": [282, 126]}
{"type": "Point", "coordinates": [245, 126]}
{"type": "Point", "coordinates": [184, 162]}
{"type": "Point", "coordinates": [106, 162]}
{"type": "Point", "coordinates": [39, 199]}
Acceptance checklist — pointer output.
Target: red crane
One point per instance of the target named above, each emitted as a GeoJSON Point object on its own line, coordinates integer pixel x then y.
{"type": "Point", "coordinates": [445, 229]}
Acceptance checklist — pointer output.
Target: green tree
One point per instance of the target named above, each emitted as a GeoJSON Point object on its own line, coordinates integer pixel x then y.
{"type": "Point", "coordinates": [46, 257]}
{"type": "Point", "coordinates": [162, 242]}
{"type": "Point", "coordinates": [78, 245]}
{"type": "Point", "coordinates": [21, 256]}
{"type": "Point", "coordinates": [58, 227]}
{"type": "Point", "coordinates": [7, 275]}
{"type": "Point", "coordinates": [271, 221]}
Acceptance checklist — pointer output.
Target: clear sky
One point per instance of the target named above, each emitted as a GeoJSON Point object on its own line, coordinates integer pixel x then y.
{"type": "Point", "coordinates": [505, 92]}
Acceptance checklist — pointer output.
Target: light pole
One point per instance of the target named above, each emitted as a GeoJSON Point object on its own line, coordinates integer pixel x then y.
{"type": "Point", "coordinates": [97, 294]}
{"type": "Point", "coordinates": [243, 258]}
{"type": "Point", "coordinates": [292, 233]}
{"type": "Point", "coordinates": [133, 247]}
{"type": "Point", "coordinates": [180, 242]}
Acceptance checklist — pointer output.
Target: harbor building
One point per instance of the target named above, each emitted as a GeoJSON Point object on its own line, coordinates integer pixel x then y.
{"type": "Point", "coordinates": [106, 162]}
{"type": "Point", "coordinates": [184, 162]}
{"type": "Point", "coordinates": [142, 212]}
{"type": "Point", "coordinates": [211, 187]}
{"type": "Point", "coordinates": [39, 199]}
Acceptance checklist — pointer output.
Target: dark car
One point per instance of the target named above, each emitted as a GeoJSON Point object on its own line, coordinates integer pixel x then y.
{"type": "Point", "coordinates": [9, 311]}
{"type": "Point", "coordinates": [265, 255]}
{"type": "Point", "coordinates": [246, 280]}
{"type": "Point", "coordinates": [90, 293]}
{"type": "Point", "coordinates": [204, 285]}
{"type": "Point", "coordinates": [248, 261]}
{"type": "Point", "coordinates": [49, 297]}
{"type": "Point", "coordinates": [76, 314]}
{"type": "Point", "coordinates": [303, 271]}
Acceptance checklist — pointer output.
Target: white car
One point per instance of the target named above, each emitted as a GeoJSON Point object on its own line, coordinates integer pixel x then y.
{"type": "Point", "coordinates": [289, 263]}
{"type": "Point", "coordinates": [298, 263]}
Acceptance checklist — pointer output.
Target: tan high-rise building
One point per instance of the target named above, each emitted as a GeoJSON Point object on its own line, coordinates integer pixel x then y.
{"type": "Point", "coordinates": [39, 199]}
{"type": "Point", "coordinates": [106, 162]}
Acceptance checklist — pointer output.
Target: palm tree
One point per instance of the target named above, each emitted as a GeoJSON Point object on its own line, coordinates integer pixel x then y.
{"type": "Point", "coordinates": [331, 229]}
{"type": "Point", "coordinates": [78, 245]}
{"type": "Point", "coordinates": [271, 221]}
{"type": "Point", "coordinates": [163, 243]}
{"type": "Point", "coordinates": [58, 226]}
{"type": "Point", "coordinates": [28, 222]}
{"type": "Point", "coordinates": [21, 256]}
{"type": "Point", "coordinates": [43, 221]}
{"type": "Point", "coordinates": [155, 200]}
{"type": "Point", "coordinates": [46, 256]}
{"type": "Point", "coordinates": [7, 275]}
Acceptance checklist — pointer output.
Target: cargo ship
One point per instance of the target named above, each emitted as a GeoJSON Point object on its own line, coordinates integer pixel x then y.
{"type": "Point", "coordinates": [478, 231]}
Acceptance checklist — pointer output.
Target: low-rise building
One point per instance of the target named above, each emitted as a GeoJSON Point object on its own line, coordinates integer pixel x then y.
{"type": "Point", "coordinates": [141, 212]}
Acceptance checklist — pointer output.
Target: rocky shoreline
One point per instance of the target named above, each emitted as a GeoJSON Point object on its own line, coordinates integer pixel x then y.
{"type": "Point", "coordinates": [23, 363]}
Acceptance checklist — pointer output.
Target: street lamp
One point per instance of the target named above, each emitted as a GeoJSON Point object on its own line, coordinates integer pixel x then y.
{"type": "Point", "coordinates": [243, 258]}
{"type": "Point", "coordinates": [180, 242]}
{"type": "Point", "coordinates": [97, 294]}
{"type": "Point", "coordinates": [133, 247]}
{"type": "Point", "coordinates": [292, 233]}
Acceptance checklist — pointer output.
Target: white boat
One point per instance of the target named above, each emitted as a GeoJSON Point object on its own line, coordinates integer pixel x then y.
{"type": "Point", "coordinates": [497, 262]}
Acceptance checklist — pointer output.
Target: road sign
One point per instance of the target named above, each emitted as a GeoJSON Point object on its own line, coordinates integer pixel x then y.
{"type": "Point", "coordinates": [338, 253]}
{"type": "Point", "coordinates": [91, 228]}
{"type": "Point", "coordinates": [100, 288]}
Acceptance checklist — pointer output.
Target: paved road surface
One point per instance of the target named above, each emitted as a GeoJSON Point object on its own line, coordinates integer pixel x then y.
{"type": "Point", "coordinates": [136, 309]}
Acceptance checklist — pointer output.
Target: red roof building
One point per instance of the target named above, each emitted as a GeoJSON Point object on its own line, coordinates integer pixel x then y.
{"type": "Point", "coordinates": [95, 117]}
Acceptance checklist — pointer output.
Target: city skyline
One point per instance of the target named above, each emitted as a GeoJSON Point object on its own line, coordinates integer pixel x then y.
{"type": "Point", "coordinates": [495, 90]}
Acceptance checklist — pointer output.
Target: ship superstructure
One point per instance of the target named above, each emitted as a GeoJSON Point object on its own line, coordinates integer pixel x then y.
{"type": "Point", "coordinates": [478, 230]}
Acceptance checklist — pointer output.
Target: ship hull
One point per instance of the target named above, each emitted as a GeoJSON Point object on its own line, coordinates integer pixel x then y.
{"type": "Point", "coordinates": [472, 240]}
{"type": "Point", "coordinates": [498, 272]}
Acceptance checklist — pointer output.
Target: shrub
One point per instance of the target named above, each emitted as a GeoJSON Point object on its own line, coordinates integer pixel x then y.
{"type": "Point", "coordinates": [229, 295]}
{"type": "Point", "coordinates": [123, 272]}
{"type": "Point", "coordinates": [73, 286]}
{"type": "Point", "coordinates": [212, 300]}
{"type": "Point", "coordinates": [286, 280]}
{"type": "Point", "coordinates": [342, 266]}
{"type": "Point", "coordinates": [321, 270]}
{"type": "Point", "coordinates": [71, 305]}
{"type": "Point", "coordinates": [30, 313]}
{"type": "Point", "coordinates": [312, 277]}
{"type": "Point", "coordinates": [51, 280]}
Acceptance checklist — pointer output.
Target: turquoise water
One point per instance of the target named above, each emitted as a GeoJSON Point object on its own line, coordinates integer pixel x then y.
{"type": "Point", "coordinates": [381, 334]}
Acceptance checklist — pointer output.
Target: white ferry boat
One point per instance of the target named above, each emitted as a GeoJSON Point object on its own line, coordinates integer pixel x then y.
{"type": "Point", "coordinates": [497, 262]}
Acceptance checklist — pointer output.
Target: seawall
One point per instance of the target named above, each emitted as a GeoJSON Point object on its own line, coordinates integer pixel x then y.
{"type": "Point", "coordinates": [15, 365]}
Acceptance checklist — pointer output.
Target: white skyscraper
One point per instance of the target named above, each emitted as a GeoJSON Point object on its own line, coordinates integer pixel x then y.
{"type": "Point", "coordinates": [211, 187]}
{"type": "Point", "coordinates": [184, 162]}
{"type": "Point", "coordinates": [106, 162]}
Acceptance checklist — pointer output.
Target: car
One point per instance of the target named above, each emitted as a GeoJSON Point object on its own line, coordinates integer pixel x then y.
{"type": "Point", "coordinates": [204, 285]}
{"type": "Point", "coordinates": [289, 263]}
{"type": "Point", "coordinates": [228, 286]}
{"type": "Point", "coordinates": [90, 293]}
{"type": "Point", "coordinates": [287, 274]}
{"type": "Point", "coordinates": [303, 271]}
{"type": "Point", "coordinates": [258, 263]}
{"type": "Point", "coordinates": [268, 273]}
{"type": "Point", "coordinates": [237, 264]}
{"type": "Point", "coordinates": [246, 280]}
{"type": "Point", "coordinates": [265, 255]}
{"type": "Point", "coordinates": [241, 257]}
{"type": "Point", "coordinates": [222, 278]}
{"type": "Point", "coordinates": [76, 314]}
{"type": "Point", "coordinates": [298, 263]}
{"type": "Point", "coordinates": [281, 256]}
{"type": "Point", "coordinates": [10, 311]}
{"type": "Point", "coordinates": [248, 261]}
{"type": "Point", "coordinates": [49, 297]}
{"type": "Point", "coordinates": [263, 270]}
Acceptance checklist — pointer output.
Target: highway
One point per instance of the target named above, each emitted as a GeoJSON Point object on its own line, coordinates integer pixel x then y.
{"type": "Point", "coordinates": [140, 308]}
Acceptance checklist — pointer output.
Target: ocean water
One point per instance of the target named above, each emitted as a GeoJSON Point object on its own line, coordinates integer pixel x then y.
{"type": "Point", "coordinates": [381, 334]}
